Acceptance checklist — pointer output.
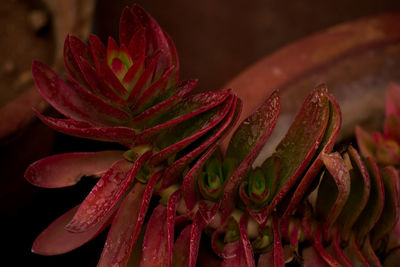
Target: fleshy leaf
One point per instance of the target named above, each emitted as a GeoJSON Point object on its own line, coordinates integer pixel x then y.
{"type": "Point", "coordinates": [156, 40]}
{"type": "Point", "coordinates": [184, 87]}
{"type": "Point", "coordinates": [181, 248]}
{"type": "Point", "coordinates": [333, 191]}
{"type": "Point", "coordinates": [246, 143]}
{"type": "Point", "coordinates": [393, 100]}
{"type": "Point", "coordinates": [207, 211]}
{"type": "Point", "coordinates": [155, 244]}
{"type": "Point", "coordinates": [127, 224]}
{"type": "Point", "coordinates": [87, 130]}
{"type": "Point", "coordinates": [97, 85]}
{"type": "Point", "coordinates": [302, 141]}
{"type": "Point", "coordinates": [311, 257]}
{"type": "Point", "coordinates": [365, 143]}
{"type": "Point", "coordinates": [238, 258]}
{"type": "Point", "coordinates": [390, 213]}
{"type": "Point", "coordinates": [369, 253]}
{"type": "Point", "coordinates": [70, 58]}
{"type": "Point", "coordinates": [216, 135]}
{"type": "Point", "coordinates": [326, 146]}
{"type": "Point", "coordinates": [106, 193]}
{"type": "Point", "coordinates": [337, 252]}
{"type": "Point", "coordinates": [322, 252]}
{"type": "Point", "coordinates": [129, 25]}
{"type": "Point", "coordinates": [98, 50]}
{"type": "Point", "coordinates": [188, 131]}
{"type": "Point", "coordinates": [354, 254]}
{"type": "Point", "coordinates": [187, 108]}
{"type": "Point", "coordinates": [373, 210]}
{"type": "Point", "coordinates": [248, 250]}
{"type": "Point", "coordinates": [55, 240]}
{"type": "Point", "coordinates": [266, 259]}
{"type": "Point", "coordinates": [118, 244]}
{"type": "Point", "coordinates": [67, 169]}
{"type": "Point", "coordinates": [391, 127]}
{"type": "Point", "coordinates": [279, 259]}
{"type": "Point", "coordinates": [74, 101]}
{"type": "Point", "coordinates": [171, 213]}
{"type": "Point", "coordinates": [359, 194]}
{"type": "Point", "coordinates": [150, 95]}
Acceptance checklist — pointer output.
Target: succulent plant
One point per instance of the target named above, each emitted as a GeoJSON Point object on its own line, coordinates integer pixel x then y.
{"type": "Point", "coordinates": [304, 204]}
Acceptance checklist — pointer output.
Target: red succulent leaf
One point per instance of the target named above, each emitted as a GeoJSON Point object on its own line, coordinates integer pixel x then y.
{"type": "Point", "coordinates": [279, 258]}
{"type": "Point", "coordinates": [369, 253]}
{"type": "Point", "coordinates": [246, 143]}
{"type": "Point", "coordinates": [327, 143]}
{"type": "Point", "coordinates": [391, 127]}
{"type": "Point", "coordinates": [97, 84]}
{"type": "Point", "coordinates": [394, 237]}
{"type": "Point", "coordinates": [186, 108]}
{"type": "Point", "coordinates": [55, 240]}
{"type": "Point", "coordinates": [359, 193]}
{"type": "Point", "coordinates": [149, 96]}
{"type": "Point", "coordinates": [80, 49]}
{"type": "Point", "coordinates": [98, 50]}
{"type": "Point", "coordinates": [155, 243]}
{"type": "Point", "coordinates": [393, 100]}
{"type": "Point", "coordinates": [144, 81]}
{"type": "Point", "coordinates": [237, 257]}
{"type": "Point", "coordinates": [390, 212]}
{"type": "Point", "coordinates": [206, 212]}
{"type": "Point", "coordinates": [123, 135]}
{"type": "Point", "coordinates": [336, 251]}
{"type": "Point", "coordinates": [106, 74]}
{"type": "Point", "coordinates": [181, 248]}
{"type": "Point", "coordinates": [217, 134]}
{"type": "Point", "coordinates": [189, 131]}
{"type": "Point", "coordinates": [137, 45]}
{"type": "Point", "coordinates": [120, 237]}
{"type": "Point", "coordinates": [365, 142]}
{"type": "Point", "coordinates": [128, 223]}
{"type": "Point", "coordinates": [266, 259]}
{"type": "Point", "coordinates": [74, 101]}
{"type": "Point", "coordinates": [171, 214]}
{"type": "Point", "coordinates": [320, 249]}
{"type": "Point", "coordinates": [70, 56]}
{"type": "Point", "coordinates": [67, 169]}
{"type": "Point", "coordinates": [248, 249]}
{"type": "Point", "coordinates": [311, 257]}
{"type": "Point", "coordinates": [155, 39]}
{"type": "Point", "coordinates": [373, 210]}
{"type": "Point", "coordinates": [354, 254]}
{"type": "Point", "coordinates": [333, 191]}
{"type": "Point", "coordinates": [133, 74]}
{"type": "Point", "coordinates": [301, 142]}
{"type": "Point", "coordinates": [184, 87]}
{"type": "Point", "coordinates": [106, 194]}
{"type": "Point", "coordinates": [254, 130]}
{"type": "Point", "coordinates": [129, 25]}
{"type": "Point", "coordinates": [174, 57]}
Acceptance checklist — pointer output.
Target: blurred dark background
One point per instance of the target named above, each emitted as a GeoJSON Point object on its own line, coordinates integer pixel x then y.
{"type": "Point", "coordinates": [215, 40]}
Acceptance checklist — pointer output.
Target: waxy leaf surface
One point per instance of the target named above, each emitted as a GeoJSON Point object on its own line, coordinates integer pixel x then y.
{"type": "Point", "coordinates": [67, 169]}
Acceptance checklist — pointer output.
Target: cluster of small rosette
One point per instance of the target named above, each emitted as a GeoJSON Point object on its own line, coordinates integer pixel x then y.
{"type": "Point", "coordinates": [303, 203]}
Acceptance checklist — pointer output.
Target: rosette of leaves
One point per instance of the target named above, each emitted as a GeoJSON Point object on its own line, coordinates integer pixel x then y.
{"type": "Point", "coordinates": [128, 94]}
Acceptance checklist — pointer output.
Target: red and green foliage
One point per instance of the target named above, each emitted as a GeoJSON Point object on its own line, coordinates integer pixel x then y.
{"type": "Point", "coordinates": [304, 204]}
